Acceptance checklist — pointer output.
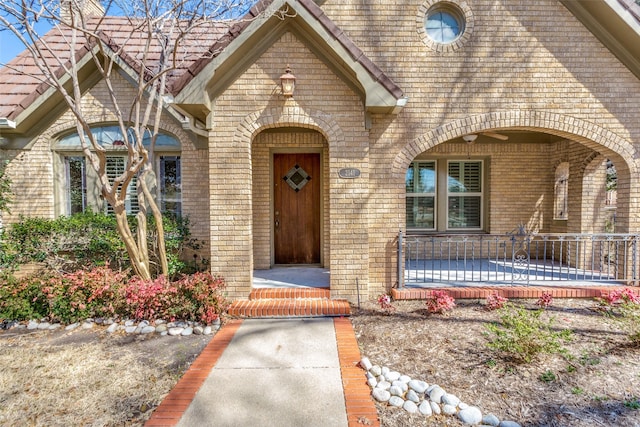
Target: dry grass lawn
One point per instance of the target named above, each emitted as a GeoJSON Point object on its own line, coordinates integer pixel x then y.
{"type": "Point", "coordinates": [86, 378]}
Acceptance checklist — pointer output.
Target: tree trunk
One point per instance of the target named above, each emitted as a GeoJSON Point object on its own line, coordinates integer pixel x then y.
{"type": "Point", "coordinates": [138, 262]}
{"type": "Point", "coordinates": [157, 216]}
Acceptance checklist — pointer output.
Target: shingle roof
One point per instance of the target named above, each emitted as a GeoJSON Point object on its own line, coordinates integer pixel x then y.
{"type": "Point", "coordinates": [19, 82]}
{"type": "Point", "coordinates": [19, 87]}
{"type": "Point", "coordinates": [632, 6]}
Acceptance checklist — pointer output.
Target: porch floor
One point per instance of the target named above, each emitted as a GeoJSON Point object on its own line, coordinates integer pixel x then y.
{"type": "Point", "coordinates": [291, 277]}
{"type": "Point", "coordinates": [483, 273]}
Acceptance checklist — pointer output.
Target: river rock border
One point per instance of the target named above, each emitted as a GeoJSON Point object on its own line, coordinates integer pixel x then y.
{"type": "Point", "coordinates": [178, 328]}
{"type": "Point", "coordinates": [416, 396]}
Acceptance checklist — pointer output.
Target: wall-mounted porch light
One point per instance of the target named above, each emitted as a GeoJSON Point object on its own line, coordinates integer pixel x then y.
{"type": "Point", "coordinates": [288, 82]}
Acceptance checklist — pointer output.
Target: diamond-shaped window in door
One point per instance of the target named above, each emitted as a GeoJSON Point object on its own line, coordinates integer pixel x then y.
{"type": "Point", "coordinates": [297, 178]}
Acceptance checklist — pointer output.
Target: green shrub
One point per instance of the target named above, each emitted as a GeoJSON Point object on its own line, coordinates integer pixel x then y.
{"type": "Point", "coordinates": [5, 188]}
{"type": "Point", "coordinates": [628, 318]}
{"type": "Point", "coordinates": [21, 299]}
{"type": "Point", "coordinates": [623, 305]}
{"type": "Point", "coordinates": [67, 243]}
{"type": "Point", "coordinates": [88, 240]}
{"type": "Point", "coordinates": [547, 376]}
{"type": "Point", "coordinates": [522, 335]}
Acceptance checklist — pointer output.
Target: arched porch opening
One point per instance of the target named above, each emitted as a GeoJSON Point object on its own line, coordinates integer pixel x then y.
{"type": "Point", "coordinates": [498, 198]}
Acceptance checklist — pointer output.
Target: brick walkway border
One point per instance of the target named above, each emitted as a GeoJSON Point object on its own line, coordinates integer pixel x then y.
{"type": "Point", "coordinates": [360, 408]}
{"type": "Point", "coordinates": [179, 398]}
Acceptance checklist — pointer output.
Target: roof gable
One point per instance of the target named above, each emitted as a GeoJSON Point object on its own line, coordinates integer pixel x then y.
{"type": "Point", "coordinates": [234, 53]}
{"type": "Point", "coordinates": [25, 98]}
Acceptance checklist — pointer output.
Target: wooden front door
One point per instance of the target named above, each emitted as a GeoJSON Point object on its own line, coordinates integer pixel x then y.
{"type": "Point", "coordinates": [296, 181]}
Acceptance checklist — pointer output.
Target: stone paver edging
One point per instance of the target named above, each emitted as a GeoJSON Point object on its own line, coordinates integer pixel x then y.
{"type": "Point", "coordinates": [177, 328]}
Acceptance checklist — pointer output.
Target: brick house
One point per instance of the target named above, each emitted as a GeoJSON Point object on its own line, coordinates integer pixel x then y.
{"type": "Point", "coordinates": [428, 116]}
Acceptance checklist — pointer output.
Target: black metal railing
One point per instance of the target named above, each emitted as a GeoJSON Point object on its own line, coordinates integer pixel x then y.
{"type": "Point", "coordinates": [519, 258]}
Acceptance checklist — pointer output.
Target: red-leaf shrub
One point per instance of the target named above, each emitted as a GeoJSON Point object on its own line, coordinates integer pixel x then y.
{"type": "Point", "coordinates": [495, 301]}
{"type": "Point", "coordinates": [102, 292]}
{"type": "Point", "coordinates": [150, 299]}
{"type": "Point", "coordinates": [621, 296]}
{"type": "Point", "coordinates": [384, 301]}
{"type": "Point", "coordinates": [202, 297]}
{"type": "Point", "coordinates": [440, 302]}
{"type": "Point", "coordinates": [83, 294]}
{"type": "Point", "coordinates": [545, 300]}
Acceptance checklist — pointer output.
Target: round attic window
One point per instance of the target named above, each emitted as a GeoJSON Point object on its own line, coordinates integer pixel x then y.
{"type": "Point", "coordinates": [445, 25]}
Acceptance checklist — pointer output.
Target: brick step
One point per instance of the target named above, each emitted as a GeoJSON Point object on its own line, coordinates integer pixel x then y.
{"type": "Point", "coordinates": [507, 292]}
{"type": "Point", "coordinates": [292, 293]}
{"type": "Point", "coordinates": [289, 307]}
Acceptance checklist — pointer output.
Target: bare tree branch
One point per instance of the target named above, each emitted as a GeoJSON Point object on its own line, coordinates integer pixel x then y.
{"type": "Point", "coordinates": [150, 40]}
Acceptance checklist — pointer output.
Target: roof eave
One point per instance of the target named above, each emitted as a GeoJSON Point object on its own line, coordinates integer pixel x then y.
{"type": "Point", "coordinates": [42, 107]}
{"type": "Point", "coordinates": [616, 23]}
{"type": "Point", "coordinates": [31, 114]}
{"type": "Point", "coordinates": [378, 92]}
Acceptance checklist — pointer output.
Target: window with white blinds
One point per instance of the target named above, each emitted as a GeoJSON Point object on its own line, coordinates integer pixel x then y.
{"type": "Point", "coordinates": [464, 195]}
{"type": "Point", "coordinates": [115, 168]}
{"type": "Point", "coordinates": [444, 195]}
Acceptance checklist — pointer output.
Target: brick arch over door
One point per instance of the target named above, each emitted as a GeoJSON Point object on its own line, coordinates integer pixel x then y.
{"type": "Point", "coordinates": [258, 121]}
{"type": "Point", "coordinates": [621, 151]}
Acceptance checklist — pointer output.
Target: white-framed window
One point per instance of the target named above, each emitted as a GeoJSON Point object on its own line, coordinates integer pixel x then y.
{"type": "Point", "coordinates": [444, 23]}
{"type": "Point", "coordinates": [464, 195]}
{"type": "Point", "coordinates": [77, 185]}
{"type": "Point", "coordinates": [445, 195]}
{"type": "Point", "coordinates": [421, 195]}
{"type": "Point", "coordinates": [170, 184]}
{"type": "Point", "coordinates": [561, 192]}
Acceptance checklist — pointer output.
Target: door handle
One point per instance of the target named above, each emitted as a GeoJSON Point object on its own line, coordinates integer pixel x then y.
{"type": "Point", "coordinates": [277, 223]}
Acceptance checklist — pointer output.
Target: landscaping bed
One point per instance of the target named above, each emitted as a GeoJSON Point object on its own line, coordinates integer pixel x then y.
{"type": "Point", "coordinates": [596, 382]}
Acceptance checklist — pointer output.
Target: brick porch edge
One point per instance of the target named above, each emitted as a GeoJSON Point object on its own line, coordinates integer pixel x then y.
{"type": "Point", "coordinates": [508, 292]}
{"type": "Point", "coordinates": [360, 407]}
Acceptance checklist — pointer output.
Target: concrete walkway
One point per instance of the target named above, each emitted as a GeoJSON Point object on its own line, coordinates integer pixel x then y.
{"type": "Point", "coordinates": [273, 372]}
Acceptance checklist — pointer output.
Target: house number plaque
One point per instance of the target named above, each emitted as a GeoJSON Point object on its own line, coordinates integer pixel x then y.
{"type": "Point", "coordinates": [349, 173]}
